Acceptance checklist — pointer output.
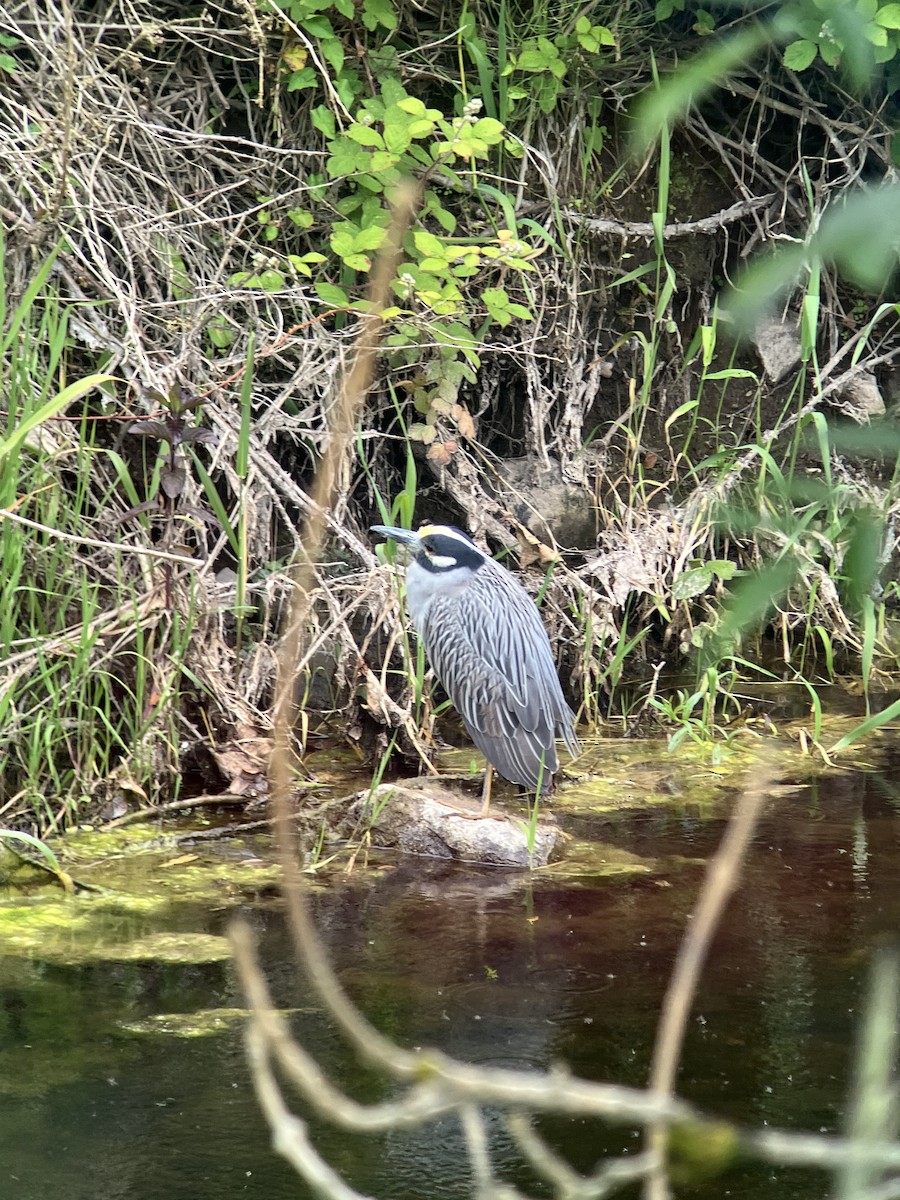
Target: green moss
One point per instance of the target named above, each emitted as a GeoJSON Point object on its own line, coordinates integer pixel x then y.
{"type": "Point", "coordinates": [206, 1022]}
{"type": "Point", "coordinates": [130, 880]}
{"type": "Point", "coordinates": [592, 860]}
{"type": "Point", "coordinates": [79, 931]}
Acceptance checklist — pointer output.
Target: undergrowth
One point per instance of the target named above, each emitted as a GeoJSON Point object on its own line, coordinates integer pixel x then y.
{"type": "Point", "coordinates": [565, 371]}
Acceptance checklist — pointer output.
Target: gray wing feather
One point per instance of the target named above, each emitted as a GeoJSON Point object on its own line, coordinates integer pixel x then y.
{"type": "Point", "coordinates": [489, 648]}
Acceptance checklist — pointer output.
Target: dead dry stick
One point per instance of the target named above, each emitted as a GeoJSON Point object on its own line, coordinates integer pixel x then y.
{"type": "Point", "coordinates": [718, 884]}
{"type": "Point", "coordinates": [345, 413]}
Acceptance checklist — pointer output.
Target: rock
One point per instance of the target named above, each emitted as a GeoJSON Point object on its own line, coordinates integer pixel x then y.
{"type": "Point", "coordinates": [440, 824]}
{"type": "Point", "coordinates": [861, 398]}
{"type": "Point", "coordinates": [546, 504]}
{"type": "Point", "coordinates": [778, 344]}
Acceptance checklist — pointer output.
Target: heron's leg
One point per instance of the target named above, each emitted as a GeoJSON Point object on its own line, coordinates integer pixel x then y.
{"type": "Point", "coordinates": [486, 790]}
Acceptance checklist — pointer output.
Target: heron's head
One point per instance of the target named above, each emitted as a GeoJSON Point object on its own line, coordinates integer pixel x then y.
{"type": "Point", "coordinates": [437, 548]}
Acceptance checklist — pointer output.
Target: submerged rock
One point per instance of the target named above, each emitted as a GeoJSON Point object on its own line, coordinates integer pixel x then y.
{"type": "Point", "coordinates": [438, 823]}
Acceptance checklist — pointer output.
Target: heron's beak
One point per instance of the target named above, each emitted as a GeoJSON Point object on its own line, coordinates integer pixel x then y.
{"type": "Point", "coordinates": [406, 537]}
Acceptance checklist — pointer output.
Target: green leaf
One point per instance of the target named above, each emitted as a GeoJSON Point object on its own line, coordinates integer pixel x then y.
{"type": "Point", "coordinates": [369, 238]}
{"type": "Point", "coordinates": [889, 16]}
{"type": "Point", "coordinates": [764, 281]}
{"type": "Point", "coordinates": [862, 559]}
{"type": "Point", "coordinates": [333, 296]}
{"type": "Point", "coordinates": [691, 583]}
{"type": "Point", "coordinates": [305, 78]}
{"type": "Point", "coordinates": [723, 567]}
{"type": "Point", "coordinates": [397, 138]}
{"type": "Point", "coordinates": [342, 241]}
{"type": "Point", "coordinates": [732, 373]}
{"type": "Point", "coordinates": [379, 12]}
{"type": "Point", "coordinates": [220, 333]}
{"type": "Point", "coordinates": [14, 835]}
{"type": "Point", "coordinates": [319, 26]}
{"type": "Point", "coordinates": [422, 433]}
{"type": "Point", "coordinates": [855, 234]}
{"type": "Point", "coordinates": [496, 297]}
{"type": "Point", "coordinates": [488, 130]}
{"type": "Point", "coordinates": [548, 95]}
{"type": "Point", "coordinates": [752, 600]}
{"type": "Point", "coordinates": [532, 60]}
{"type": "Point", "coordinates": [427, 244]}
{"type": "Point", "coordinates": [497, 304]}
{"type": "Point", "coordinates": [376, 183]}
{"type": "Point", "coordinates": [333, 53]}
{"type": "Point", "coordinates": [365, 135]}
{"type": "Point", "coordinates": [382, 161]}
{"type": "Point", "coordinates": [830, 52]}
{"type": "Point", "coordinates": [444, 218]}
{"type": "Point", "coordinates": [347, 159]}
{"type": "Point", "coordinates": [891, 713]}
{"type": "Point", "coordinates": [323, 119]}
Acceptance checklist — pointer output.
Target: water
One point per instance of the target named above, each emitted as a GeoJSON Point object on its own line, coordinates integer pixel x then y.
{"type": "Point", "coordinates": [492, 968]}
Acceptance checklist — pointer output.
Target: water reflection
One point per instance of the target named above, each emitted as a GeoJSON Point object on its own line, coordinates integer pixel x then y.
{"type": "Point", "coordinates": [492, 967]}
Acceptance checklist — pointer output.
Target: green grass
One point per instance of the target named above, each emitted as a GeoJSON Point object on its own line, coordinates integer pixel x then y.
{"type": "Point", "coordinates": [93, 662]}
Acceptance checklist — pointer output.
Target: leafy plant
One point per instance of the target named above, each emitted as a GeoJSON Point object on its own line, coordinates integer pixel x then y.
{"type": "Point", "coordinates": [550, 61]}
{"type": "Point", "coordinates": [376, 132]}
{"type": "Point", "coordinates": [174, 432]}
{"type": "Point", "coordinates": [832, 32]}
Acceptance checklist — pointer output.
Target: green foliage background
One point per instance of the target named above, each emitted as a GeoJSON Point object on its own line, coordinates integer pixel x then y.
{"type": "Point", "coordinates": [193, 202]}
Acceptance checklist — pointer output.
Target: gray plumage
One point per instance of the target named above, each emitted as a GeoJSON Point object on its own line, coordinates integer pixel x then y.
{"type": "Point", "coordinates": [487, 644]}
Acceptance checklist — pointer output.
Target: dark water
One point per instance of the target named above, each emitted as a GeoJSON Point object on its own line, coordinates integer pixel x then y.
{"type": "Point", "coordinates": [494, 969]}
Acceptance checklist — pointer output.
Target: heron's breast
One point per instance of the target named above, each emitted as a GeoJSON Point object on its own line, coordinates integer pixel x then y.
{"type": "Point", "coordinates": [424, 587]}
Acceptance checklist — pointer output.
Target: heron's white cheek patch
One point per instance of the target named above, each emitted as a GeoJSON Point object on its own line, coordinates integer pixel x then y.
{"type": "Point", "coordinates": [442, 561]}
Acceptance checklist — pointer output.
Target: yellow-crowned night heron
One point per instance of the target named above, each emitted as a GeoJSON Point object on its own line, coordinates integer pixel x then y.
{"type": "Point", "coordinates": [488, 647]}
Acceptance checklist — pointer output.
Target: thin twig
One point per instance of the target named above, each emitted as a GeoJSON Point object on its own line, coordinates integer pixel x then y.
{"type": "Point", "coordinates": [344, 416]}
{"type": "Point", "coordinates": [719, 882]}
{"type": "Point", "coordinates": [710, 224]}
